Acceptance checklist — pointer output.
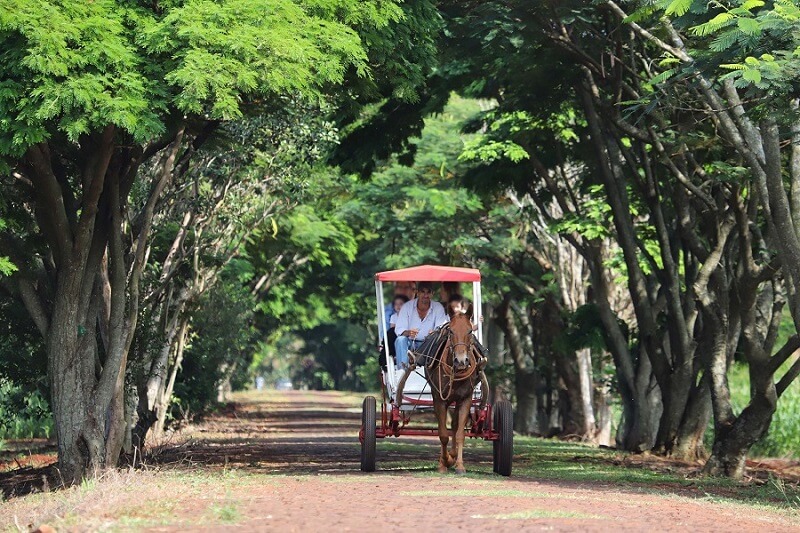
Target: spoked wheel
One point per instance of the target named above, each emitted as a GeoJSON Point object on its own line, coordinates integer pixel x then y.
{"type": "Point", "coordinates": [368, 421]}
{"type": "Point", "coordinates": [503, 447]}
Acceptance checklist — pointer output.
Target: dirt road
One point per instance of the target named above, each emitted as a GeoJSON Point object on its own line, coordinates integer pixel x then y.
{"type": "Point", "coordinates": [306, 444]}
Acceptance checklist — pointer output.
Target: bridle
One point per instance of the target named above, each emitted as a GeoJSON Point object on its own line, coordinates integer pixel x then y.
{"type": "Point", "coordinates": [446, 370]}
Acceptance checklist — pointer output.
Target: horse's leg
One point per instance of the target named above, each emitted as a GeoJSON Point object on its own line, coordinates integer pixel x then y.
{"type": "Point", "coordinates": [460, 418]}
{"type": "Point", "coordinates": [454, 430]}
{"type": "Point", "coordinates": [440, 409]}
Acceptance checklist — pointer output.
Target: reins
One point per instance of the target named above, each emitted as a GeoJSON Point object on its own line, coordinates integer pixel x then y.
{"type": "Point", "coordinates": [447, 371]}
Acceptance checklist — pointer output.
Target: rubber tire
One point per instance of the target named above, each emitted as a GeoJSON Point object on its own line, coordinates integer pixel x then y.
{"type": "Point", "coordinates": [504, 446]}
{"type": "Point", "coordinates": [368, 422]}
{"type": "Point", "coordinates": [495, 443]}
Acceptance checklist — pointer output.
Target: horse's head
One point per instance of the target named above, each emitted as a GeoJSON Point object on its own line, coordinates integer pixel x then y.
{"type": "Point", "coordinates": [460, 340]}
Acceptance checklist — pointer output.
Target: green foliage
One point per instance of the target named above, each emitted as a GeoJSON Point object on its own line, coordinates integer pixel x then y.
{"type": "Point", "coordinates": [317, 244]}
{"type": "Point", "coordinates": [22, 351]}
{"type": "Point", "coordinates": [678, 7]}
{"type": "Point", "coordinates": [220, 347]}
{"type": "Point", "coordinates": [755, 42]}
{"type": "Point", "coordinates": [594, 221]}
{"type": "Point", "coordinates": [74, 68]}
{"type": "Point", "coordinates": [6, 266]}
{"type": "Point", "coordinates": [213, 53]}
{"type": "Point", "coordinates": [24, 414]}
{"type": "Point", "coordinates": [418, 214]}
{"type": "Point", "coordinates": [488, 152]}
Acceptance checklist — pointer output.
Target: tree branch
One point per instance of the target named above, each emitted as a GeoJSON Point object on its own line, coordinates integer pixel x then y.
{"type": "Point", "coordinates": [782, 355]}
{"type": "Point", "coordinates": [50, 209]}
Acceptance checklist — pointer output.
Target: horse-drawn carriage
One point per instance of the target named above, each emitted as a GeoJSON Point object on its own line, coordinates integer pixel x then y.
{"type": "Point", "coordinates": [451, 379]}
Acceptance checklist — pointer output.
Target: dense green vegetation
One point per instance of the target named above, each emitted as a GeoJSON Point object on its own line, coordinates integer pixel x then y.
{"type": "Point", "coordinates": [196, 194]}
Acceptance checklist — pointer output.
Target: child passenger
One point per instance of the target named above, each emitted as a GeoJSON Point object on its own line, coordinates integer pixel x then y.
{"type": "Point", "coordinates": [391, 336]}
{"type": "Point", "coordinates": [457, 304]}
{"type": "Point", "coordinates": [397, 304]}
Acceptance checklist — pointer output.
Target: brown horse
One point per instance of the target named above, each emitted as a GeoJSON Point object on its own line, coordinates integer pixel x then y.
{"type": "Point", "coordinates": [453, 374]}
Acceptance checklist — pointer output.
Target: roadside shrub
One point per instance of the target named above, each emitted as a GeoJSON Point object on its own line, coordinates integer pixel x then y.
{"type": "Point", "coordinates": [219, 351]}
{"type": "Point", "coordinates": [23, 414]}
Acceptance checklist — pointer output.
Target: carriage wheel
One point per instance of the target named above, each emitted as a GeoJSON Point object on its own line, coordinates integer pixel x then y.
{"type": "Point", "coordinates": [495, 443]}
{"type": "Point", "coordinates": [503, 447]}
{"type": "Point", "coordinates": [368, 421]}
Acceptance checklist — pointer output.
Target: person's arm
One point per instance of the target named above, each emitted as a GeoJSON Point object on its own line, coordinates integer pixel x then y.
{"type": "Point", "coordinates": [475, 324]}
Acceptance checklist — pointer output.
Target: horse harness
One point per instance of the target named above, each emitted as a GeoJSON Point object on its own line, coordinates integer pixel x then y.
{"type": "Point", "coordinates": [447, 373]}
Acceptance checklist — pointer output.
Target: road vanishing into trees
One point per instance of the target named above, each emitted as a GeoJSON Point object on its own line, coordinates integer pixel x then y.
{"type": "Point", "coordinates": [305, 446]}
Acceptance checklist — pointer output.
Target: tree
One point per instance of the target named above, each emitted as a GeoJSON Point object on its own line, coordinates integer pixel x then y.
{"type": "Point", "coordinates": [251, 172]}
{"type": "Point", "coordinates": [92, 93]}
{"type": "Point", "coordinates": [751, 102]}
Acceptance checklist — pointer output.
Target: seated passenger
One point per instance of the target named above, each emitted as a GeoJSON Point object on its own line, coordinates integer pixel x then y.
{"type": "Point", "coordinates": [391, 336]}
{"type": "Point", "coordinates": [448, 289]}
{"type": "Point", "coordinates": [415, 321]}
{"type": "Point", "coordinates": [459, 304]}
{"type": "Point", "coordinates": [401, 288]}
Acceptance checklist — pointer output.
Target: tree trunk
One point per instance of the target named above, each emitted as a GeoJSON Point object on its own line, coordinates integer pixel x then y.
{"type": "Point", "coordinates": [732, 443]}
{"type": "Point", "coordinates": [637, 432]}
{"type": "Point", "coordinates": [526, 389]}
{"type": "Point", "coordinates": [674, 398]}
{"type": "Point", "coordinates": [526, 379]}
{"type": "Point", "coordinates": [689, 445]}
{"type": "Point", "coordinates": [578, 414]}
{"type": "Point", "coordinates": [71, 359]}
{"type": "Point", "coordinates": [166, 395]}
{"type": "Point", "coordinates": [602, 410]}
{"type": "Point", "coordinates": [153, 383]}
{"type": "Point", "coordinates": [116, 422]}
{"type": "Point", "coordinates": [495, 343]}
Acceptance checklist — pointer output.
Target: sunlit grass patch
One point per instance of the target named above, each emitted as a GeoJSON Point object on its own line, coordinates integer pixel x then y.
{"type": "Point", "coordinates": [227, 513]}
{"type": "Point", "coordinates": [133, 499]}
{"type": "Point", "coordinates": [558, 461]}
{"type": "Point", "coordinates": [355, 478]}
{"type": "Point", "coordinates": [475, 493]}
{"type": "Point", "coordinates": [587, 471]}
{"type": "Point", "coordinates": [533, 514]}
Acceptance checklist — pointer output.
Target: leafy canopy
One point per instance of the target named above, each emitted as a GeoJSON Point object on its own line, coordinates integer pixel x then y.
{"type": "Point", "coordinates": [755, 43]}
{"type": "Point", "coordinates": [69, 68]}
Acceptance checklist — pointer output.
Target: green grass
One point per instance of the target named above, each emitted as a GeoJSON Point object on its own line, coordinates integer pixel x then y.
{"type": "Point", "coordinates": [783, 437]}
{"type": "Point", "coordinates": [583, 464]}
{"type": "Point", "coordinates": [533, 514]}
{"type": "Point", "coordinates": [586, 466]}
{"type": "Point", "coordinates": [137, 499]}
{"type": "Point", "coordinates": [226, 514]}
{"type": "Point", "coordinates": [589, 466]}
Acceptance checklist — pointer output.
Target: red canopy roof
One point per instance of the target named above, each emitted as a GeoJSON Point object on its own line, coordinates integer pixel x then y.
{"type": "Point", "coordinates": [430, 273]}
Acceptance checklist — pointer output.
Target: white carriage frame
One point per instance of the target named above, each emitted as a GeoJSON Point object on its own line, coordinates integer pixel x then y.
{"type": "Point", "coordinates": [391, 375]}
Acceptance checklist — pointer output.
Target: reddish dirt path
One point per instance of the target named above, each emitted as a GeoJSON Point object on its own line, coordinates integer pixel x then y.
{"type": "Point", "coordinates": [307, 443]}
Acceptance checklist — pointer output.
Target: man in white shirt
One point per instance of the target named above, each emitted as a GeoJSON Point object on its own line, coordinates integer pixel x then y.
{"type": "Point", "coordinates": [416, 320]}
